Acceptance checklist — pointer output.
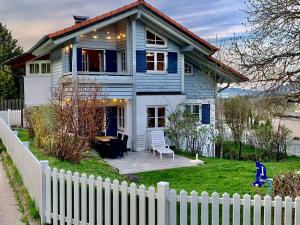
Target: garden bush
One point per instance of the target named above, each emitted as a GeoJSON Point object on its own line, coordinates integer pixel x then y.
{"type": "Point", "coordinates": [231, 151]}
{"type": "Point", "coordinates": [28, 123]}
{"type": "Point", "coordinates": [41, 121]}
{"type": "Point", "coordinates": [67, 126]}
{"type": "Point", "coordinates": [287, 185]}
{"type": "Point", "coordinates": [185, 134]}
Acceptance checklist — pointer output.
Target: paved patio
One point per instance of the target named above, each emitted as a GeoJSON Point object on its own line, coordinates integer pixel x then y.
{"type": "Point", "coordinates": [136, 162]}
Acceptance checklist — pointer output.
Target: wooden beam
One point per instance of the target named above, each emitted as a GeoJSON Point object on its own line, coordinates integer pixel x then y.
{"type": "Point", "coordinates": [187, 49]}
{"type": "Point", "coordinates": [96, 26]}
{"type": "Point", "coordinates": [182, 73]}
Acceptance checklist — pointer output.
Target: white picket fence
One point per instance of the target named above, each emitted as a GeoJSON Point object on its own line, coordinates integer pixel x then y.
{"type": "Point", "coordinates": [66, 198]}
{"type": "Point", "coordinates": [27, 164]}
{"type": "Point", "coordinates": [12, 117]}
{"type": "Point", "coordinates": [76, 199]}
{"type": "Point", "coordinates": [293, 148]}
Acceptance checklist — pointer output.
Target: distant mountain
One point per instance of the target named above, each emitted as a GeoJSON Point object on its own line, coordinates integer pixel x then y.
{"type": "Point", "coordinates": [231, 92]}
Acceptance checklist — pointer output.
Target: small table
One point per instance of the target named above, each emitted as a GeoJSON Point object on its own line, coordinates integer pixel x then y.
{"type": "Point", "coordinates": [105, 138]}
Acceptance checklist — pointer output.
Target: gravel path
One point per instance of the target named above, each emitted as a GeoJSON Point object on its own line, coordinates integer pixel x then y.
{"type": "Point", "coordinates": [9, 214]}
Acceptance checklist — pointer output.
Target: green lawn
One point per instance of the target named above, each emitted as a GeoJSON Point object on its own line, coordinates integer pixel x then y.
{"type": "Point", "coordinates": [91, 163]}
{"type": "Point", "coordinates": [219, 175]}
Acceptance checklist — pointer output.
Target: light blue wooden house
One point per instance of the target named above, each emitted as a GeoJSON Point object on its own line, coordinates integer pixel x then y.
{"type": "Point", "coordinates": [146, 62]}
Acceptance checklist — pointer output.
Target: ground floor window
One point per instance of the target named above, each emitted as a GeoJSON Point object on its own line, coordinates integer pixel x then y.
{"type": "Point", "coordinates": [202, 111]}
{"type": "Point", "coordinates": [193, 109]}
{"type": "Point", "coordinates": [121, 117]}
{"type": "Point", "coordinates": [156, 116]}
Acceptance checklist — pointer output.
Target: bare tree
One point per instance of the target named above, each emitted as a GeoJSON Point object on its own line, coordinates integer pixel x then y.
{"type": "Point", "coordinates": [269, 53]}
{"type": "Point", "coordinates": [78, 113]}
{"type": "Point", "coordinates": [236, 113]}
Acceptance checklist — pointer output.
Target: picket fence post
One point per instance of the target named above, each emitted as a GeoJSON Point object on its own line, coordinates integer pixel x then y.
{"type": "Point", "coordinates": [297, 211]}
{"type": "Point", "coordinates": [8, 118]}
{"type": "Point", "coordinates": [44, 165]}
{"type": "Point", "coordinates": [162, 203]}
{"type": "Point", "coordinates": [26, 144]}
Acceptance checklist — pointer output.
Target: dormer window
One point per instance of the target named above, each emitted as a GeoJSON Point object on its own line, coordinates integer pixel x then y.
{"type": "Point", "coordinates": [188, 69]}
{"type": "Point", "coordinates": [154, 40]}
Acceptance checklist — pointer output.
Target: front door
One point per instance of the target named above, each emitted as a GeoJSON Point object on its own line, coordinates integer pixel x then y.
{"type": "Point", "coordinates": [111, 120]}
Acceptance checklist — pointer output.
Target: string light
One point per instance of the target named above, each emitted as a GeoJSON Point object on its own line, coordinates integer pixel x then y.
{"type": "Point", "coordinates": [108, 37]}
{"type": "Point", "coordinates": [121, 35]}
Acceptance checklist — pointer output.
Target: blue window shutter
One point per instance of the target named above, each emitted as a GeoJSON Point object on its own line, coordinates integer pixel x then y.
{"type": "Point", "coordinates": [172, 62]}
{"type": "Point", "coordinates": [141, 65]}
{"type": "Point", "coordinates": [111, 60]}
{"type": "Point", "coordinates": [205, 113]}
{"type": "Point", "coordinates": [79, 59]}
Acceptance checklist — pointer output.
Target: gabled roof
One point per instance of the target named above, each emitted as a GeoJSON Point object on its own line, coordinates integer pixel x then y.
{"type": "Point", "coordinates": [18, 60]}
{"type": "Point", "coordinates": [136, 4]}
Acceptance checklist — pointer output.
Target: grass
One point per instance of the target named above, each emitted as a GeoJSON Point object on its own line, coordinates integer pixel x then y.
{"type": "Point", "coordinates": [30, 214]}
{"type": "Point", "coordinates": [90, 164]}
{"type": "Point", "coordinates": [219, 175]}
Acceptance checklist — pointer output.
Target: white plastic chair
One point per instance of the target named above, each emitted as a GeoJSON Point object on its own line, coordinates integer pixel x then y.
{"type": "Point", "coordinates": [158, 144]}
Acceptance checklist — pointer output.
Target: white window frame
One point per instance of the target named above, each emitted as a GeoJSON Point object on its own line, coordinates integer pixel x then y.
{"type": "Point", "coordinates": [155, 71]}
{"type": "Point", "coordinates": [122, 118]}
{"type": "Point", "coordinates": [200, 110]}
{"type": "Point", "coordinates": [41, 68]}
{"type": "Point", "coordinates": [87, 65]}
{"type": "Point", "coordinates": [155, 45]}
{"type": "Point", "coordinates": [192, 70]}
{"type": "Point", "coordinates": [156, 116]}
{"type": "Point", "coordinates": [39, 63]}
{"type": "Point", "coordinates": [122, 61]}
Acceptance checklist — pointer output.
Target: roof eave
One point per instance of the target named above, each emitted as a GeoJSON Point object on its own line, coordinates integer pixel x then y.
{"type": "Point", "coordinates": [39, 43]}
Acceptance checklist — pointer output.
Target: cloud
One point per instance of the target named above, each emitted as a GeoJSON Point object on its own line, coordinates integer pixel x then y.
{"type": "Point", "coordinates": [221, 32]}
{"type": "Point", "coordinates": [29, 20]}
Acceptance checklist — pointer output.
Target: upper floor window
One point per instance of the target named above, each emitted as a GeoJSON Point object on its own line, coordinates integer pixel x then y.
{"type": "Point", "coordinates": [153, 40]}
{"type": "Point", "coordinates": [45, 67]}
{"type": "Point", "coordinates": [34, 68]}
{"type": "Point", "coordinates": [92, 60]}
{"type": "Point", "coordinates": [122, 61]}
{"type": "Point", "coordinates": [156, 62]}
{"type": "Point", "coordinates": [39, 67]}
{"type": "Point", "coordinates": [188, 69]}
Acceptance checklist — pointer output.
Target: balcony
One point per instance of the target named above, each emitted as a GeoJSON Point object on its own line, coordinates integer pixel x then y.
{"type": "Point", "coordinates": [102, 77]}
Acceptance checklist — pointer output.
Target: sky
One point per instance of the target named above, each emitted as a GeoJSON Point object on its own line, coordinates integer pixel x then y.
{"type": "Point", "coordinates": [29, 20]}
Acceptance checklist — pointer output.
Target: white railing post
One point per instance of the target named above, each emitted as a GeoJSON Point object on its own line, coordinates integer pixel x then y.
{"type": "Point", "coordinates": [44, 165]}
{"type": "Point", "coordinates": [162, 203]}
